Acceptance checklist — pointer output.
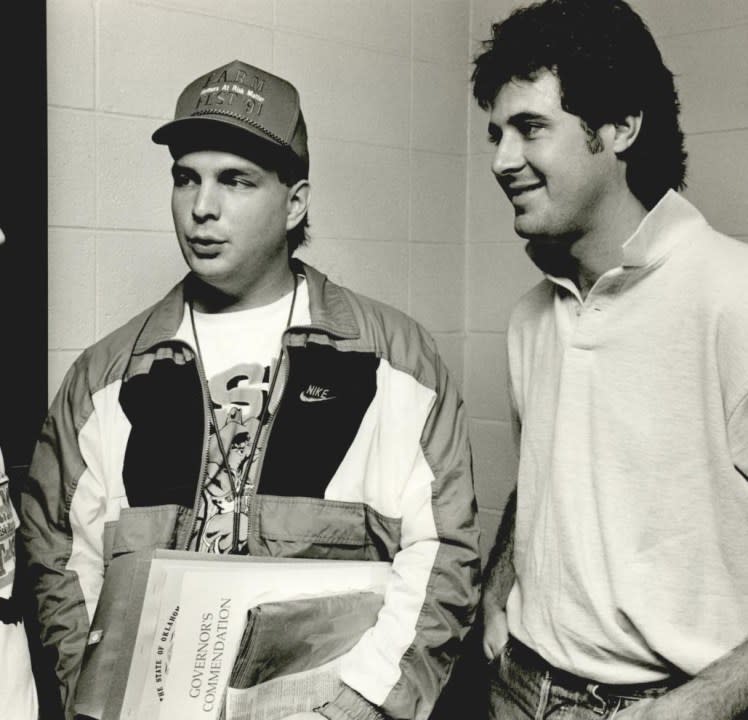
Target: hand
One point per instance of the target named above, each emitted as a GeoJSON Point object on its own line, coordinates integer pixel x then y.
{"type": "Point", "coordinates": [305, 716]}
{"type": "Point", "coordinates": [495, 631]}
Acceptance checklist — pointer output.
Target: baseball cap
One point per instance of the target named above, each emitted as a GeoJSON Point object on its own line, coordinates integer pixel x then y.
{"type": "Point", "coordinates": [239, 96]}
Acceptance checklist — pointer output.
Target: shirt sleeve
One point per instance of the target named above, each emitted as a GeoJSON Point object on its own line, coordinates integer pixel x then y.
{"type": "Point", "coordinates": [732, 359]}
{"type": "Point", "coordinates": [737, 432]}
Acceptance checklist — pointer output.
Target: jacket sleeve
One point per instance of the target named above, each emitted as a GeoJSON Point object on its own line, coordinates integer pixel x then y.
{"type": "Point", "coordinates": [400, 667]}
{"type": "Point", "coordinates": [61, 512]}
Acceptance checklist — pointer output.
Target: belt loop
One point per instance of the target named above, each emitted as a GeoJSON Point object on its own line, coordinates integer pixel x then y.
{"type": "Point", "coordinates": [592, 689]}
{"type": "Point", "coordinates": [619, 702]}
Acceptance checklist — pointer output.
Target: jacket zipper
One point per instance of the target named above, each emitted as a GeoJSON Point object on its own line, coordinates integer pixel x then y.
{"type": "Point", "coordinates": [252, 486]}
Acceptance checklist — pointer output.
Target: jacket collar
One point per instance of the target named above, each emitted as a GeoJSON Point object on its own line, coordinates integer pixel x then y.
{"type": "Point", "coordinates": [329, 308]}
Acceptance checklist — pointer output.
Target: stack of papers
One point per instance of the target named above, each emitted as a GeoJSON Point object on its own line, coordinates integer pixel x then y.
{"type": "Point", "coordinates": [190, 635]}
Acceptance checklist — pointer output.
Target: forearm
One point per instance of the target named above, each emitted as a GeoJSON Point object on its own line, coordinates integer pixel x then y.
{"type": "Point", "coordinates": [719, 692]}
{"type": "Point", "coordinates": [499, 573]}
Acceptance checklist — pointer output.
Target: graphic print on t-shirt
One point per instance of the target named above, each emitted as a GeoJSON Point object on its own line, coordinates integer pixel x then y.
{"type": "Point", "coordinates": [238, 352]}
{"type": "Point", "coordinates": [239, 396]}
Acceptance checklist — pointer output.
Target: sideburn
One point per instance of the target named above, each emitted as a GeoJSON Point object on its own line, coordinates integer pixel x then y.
{"type": "Point", "coordinates": [594, 141]}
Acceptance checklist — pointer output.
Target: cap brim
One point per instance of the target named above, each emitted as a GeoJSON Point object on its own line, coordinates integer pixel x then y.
{"type": "Point", "coordinates": [196, 134]}
{"type": "Point", "coordinates": [194, 129]}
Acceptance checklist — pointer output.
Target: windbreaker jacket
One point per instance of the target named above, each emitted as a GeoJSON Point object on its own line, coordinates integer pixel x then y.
{"type": "Point", "coordinates": [381, 471]}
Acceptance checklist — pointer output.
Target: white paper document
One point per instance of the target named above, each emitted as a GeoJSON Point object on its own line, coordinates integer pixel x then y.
{"type": "Point", "coordinates": [193, 619]}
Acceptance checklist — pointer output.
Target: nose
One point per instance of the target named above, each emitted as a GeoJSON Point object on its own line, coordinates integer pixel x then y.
{"type": "Point", "coordinates": [509, 156]}
{"type": "Point", "coordinates": [206, 203]}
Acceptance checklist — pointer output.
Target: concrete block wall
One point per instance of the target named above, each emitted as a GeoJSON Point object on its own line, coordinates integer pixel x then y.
{"type": "Point", "coordinates": [384, 91]}
{"type": "Point", "coordinates": [705, 44]}
{"type": "Point", "coordinates": [404, 205]}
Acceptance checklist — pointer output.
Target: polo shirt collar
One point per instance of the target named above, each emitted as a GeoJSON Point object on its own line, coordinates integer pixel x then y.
{"type": "Point", "coordinates": [660, 230]}
{"type": "Point", "coordinates": [666, 224]}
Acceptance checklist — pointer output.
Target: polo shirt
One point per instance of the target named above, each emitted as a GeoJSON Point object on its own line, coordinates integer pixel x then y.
{"type": "Point", "coordinates": [632, 513]}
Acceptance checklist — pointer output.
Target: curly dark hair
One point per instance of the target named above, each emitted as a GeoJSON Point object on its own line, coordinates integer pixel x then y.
{"type": "Point", "coordinates": [608, 66]}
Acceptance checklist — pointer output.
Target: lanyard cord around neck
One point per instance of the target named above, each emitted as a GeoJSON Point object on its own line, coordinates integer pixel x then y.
{"type": "Point", "coordinates": [237, 486]}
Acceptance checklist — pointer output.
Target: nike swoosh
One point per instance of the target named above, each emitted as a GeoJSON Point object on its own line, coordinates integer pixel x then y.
{"type": "Point", "coordinates": [308, 398]}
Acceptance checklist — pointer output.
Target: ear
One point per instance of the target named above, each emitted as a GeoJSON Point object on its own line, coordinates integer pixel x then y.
{"type": "Point", "coordinates": [626, 131]}
{"type": "Point", "coordinates": [297, 203]}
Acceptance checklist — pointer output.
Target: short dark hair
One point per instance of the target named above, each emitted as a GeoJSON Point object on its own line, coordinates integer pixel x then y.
{"type": "Point", "coordinates": [289, 167]}
{"type": "Point", "coordinates": [608, 66]}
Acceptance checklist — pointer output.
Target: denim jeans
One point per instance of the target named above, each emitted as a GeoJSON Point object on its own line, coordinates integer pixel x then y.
{"type": "Point", "coordinates": [521, 689]}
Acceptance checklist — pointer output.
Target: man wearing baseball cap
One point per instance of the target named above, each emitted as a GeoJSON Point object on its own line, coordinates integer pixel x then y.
{"type": "Point", "coordinates": [261, 409]}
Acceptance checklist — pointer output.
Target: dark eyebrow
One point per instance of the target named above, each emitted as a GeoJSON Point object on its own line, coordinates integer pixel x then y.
{"type": "Point", "coordinates": [525, 117]}
{"type": "Point", "coordinates": [179, 168]}
{"type": "Point", "coordinates": [231, 173]}
{"type": "Point", "coordinates": [238, 171]}
{"type": "Point", "coordinates": [517, 120]}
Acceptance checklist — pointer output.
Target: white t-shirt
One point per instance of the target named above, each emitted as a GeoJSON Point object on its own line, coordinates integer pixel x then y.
{"type": "Point", "coordinates": [17, 690]}
{"type": "Point", "coordinates": [239, 351]}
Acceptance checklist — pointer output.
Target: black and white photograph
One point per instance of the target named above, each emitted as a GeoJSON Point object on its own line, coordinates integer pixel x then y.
{"type": "Point", "coordinates": [374, 360]}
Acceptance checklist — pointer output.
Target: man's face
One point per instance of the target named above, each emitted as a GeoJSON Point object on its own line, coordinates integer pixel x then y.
{"type": "Point", "coordinates": [545, 162]}
{"type": "Point", "coordinates": [230, 217]}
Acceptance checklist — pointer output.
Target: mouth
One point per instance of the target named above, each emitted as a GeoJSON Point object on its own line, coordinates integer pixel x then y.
{"type": "Point", "coordinates": [518, 193]}
{"type": "Point", "coordinates": [205, 246]}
